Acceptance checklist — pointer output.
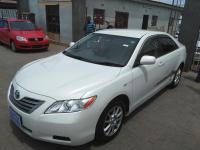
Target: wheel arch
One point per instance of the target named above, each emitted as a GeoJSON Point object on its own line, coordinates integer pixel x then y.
{"type": "Point", "coordinates": [124, 99]}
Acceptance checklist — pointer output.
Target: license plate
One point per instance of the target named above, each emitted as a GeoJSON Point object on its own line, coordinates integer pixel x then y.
{"type": "Point", "coordinates": [15, 117]}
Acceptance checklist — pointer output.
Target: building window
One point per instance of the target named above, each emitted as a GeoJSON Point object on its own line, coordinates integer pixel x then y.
{"type": "Point", "coordinates": [154, 20]}
{"type": "Point", "coordinates": [121, 19]}
{"type": "Point", "coordinates": [52, 18]}
{"type": "Point", "coordinates": [99, 16]}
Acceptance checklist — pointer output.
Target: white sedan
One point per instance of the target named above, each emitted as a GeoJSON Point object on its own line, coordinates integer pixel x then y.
{"type": "Point", "coordinates": [85, 92]}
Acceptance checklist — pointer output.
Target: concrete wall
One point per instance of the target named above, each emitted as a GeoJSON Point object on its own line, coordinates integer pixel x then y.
{"type": "Point", "coordinates": [40, 14]}
{"type": "Point", "coordinates": [22, 5]}
{"type": "Point", "coordinates": [135, 10]}
{"type": "Point", "coordinates": [65, 22]}
{"type": "Point", "coordinates": [79, 15]}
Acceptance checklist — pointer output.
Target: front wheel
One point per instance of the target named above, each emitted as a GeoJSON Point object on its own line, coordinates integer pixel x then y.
{"type": "Point", "coordinates": [110, 122]}
{"type": "Point", "coordinates": [13, 47]}
{"type": "Point", "coordinates": [177, 78]}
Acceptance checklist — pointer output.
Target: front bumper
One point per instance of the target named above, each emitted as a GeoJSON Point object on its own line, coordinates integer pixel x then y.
{"type": "Point", "coordinates": [32, 45]}
{"type": "Point", "coordinates": [61, 128]}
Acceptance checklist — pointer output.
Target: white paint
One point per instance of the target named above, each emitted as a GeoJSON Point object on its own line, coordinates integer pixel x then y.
{"type": "Point", "coordinates": [65, 9]}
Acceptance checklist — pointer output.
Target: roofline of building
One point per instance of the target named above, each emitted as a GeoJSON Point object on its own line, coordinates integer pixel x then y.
{"type": "Point", "coordinates": [8, 1]}
{"type": "Point", "coordinates": [8, 4]}
{"type": "Point", "coordinates": [159, 4]}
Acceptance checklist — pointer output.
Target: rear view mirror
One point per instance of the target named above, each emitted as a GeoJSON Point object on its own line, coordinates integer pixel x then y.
{"type": "Point", "coordinates": [148, 60]}
{"type": "Point", "coordinates": [71, 44]}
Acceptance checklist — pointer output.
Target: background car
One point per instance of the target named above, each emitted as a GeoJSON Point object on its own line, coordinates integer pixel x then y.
{"type": "Point", "coordinates": [22, 34]}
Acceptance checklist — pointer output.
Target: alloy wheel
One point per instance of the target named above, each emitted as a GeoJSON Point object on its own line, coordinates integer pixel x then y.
{"type": "Point", "coordinates": [113, 120]}
{"type": "Point", "coordinates": [177, 76]}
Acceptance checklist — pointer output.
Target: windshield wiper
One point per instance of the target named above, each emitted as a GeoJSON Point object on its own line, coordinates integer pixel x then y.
{"type": "Point", "coordinates": [75, 56]}
{"type": "Point", "coordinates": [110, 64]}
{"type": "Point", "coordinates": [92, 61]}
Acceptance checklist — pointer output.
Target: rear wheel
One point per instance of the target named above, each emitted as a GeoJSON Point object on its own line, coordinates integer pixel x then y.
{"type": "Point", "coordinates": [12, 46]}
{"type": "Point", "coordinates": [177, 78]}
{"type": "Point", "coordinates": [110, 122]}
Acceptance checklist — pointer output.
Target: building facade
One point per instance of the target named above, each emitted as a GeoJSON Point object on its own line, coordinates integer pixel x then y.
{"type": "Point", "coordinates": [64, 20]}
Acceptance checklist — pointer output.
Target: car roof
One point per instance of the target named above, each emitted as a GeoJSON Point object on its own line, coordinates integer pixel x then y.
{"type": "Point", "coordinates": [129, 32]}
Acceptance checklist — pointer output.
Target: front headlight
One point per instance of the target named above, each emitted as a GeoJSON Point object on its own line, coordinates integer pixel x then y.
{"type": "Point", "coordinates": [70, 106]}
{"type": "Point", "coordinates": [21, 38]}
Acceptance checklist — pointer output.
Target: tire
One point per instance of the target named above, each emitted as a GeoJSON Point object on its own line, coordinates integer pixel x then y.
{"type": "Point", "coordinates": [46, 49]}
{"type": "Point", "coordinates": [110, 122]}
{"type": "Point", "coordinates": [177, 78]}
{"type": "Point", "coordinates": [13, 47]}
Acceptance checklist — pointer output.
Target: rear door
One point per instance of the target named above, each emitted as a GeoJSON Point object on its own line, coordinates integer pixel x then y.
{"type": "Point", "coordinates": [168, 56]}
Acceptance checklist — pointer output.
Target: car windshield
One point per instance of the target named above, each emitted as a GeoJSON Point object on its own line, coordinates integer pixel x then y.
{"type": "Point", "coordinates": [103, 49]}
{"type": "Point", "coordinates": [22, 26]}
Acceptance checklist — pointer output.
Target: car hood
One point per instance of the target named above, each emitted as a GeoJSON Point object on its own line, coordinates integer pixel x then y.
{"type": "Point", "coordinates": [30, 34]}
{"type": "Point", "coordinates": [61, 77]}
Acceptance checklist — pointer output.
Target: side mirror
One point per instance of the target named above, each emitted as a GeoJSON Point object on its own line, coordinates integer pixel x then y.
{"type": "Point", "coordinates": [148, 60]}
{"type": "Point", "coordinates": [71, 44]}
{"type": "Point", "coordinates": [7, 29]}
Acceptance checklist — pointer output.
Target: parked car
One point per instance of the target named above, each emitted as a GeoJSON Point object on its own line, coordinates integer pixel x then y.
{"type": "Point", "coordinates": [198, 48]}
{"type": "Point", "coordinates": [197, 52]}
{"type": "Point", "coordinates": [85, 92]}
{"type": "Point", "coordinates": [22, 34]}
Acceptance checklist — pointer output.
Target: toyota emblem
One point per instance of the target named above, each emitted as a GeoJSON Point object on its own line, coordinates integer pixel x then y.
{"type": "Point", "coordinates": [17, 94]}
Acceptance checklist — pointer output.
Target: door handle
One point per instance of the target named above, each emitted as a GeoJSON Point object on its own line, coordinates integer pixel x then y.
{"type": "Point", "coordinates": [178, 53]}
{"type": "Point", "coordinates": [161, 63]}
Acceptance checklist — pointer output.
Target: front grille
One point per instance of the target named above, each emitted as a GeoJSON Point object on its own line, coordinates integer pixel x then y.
{"type": "Point", "coordinates": [35, 39]}
{"type": "Point", "coordinates": [37, 46]}
{"type": "Point", "coordinates": [27, 105]}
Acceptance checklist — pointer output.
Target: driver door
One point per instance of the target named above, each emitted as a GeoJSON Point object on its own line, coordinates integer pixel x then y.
{"type": "Point", "coordinates": [146, 77]}
{"type": "Point", "coordinates": [4, 32]}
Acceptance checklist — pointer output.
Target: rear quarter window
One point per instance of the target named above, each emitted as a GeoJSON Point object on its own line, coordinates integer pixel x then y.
{"type": "Point", "coordinates": [167, 45]}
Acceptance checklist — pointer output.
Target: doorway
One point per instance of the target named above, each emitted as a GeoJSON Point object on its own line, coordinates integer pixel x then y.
{"type": "Point", "coordinates": [121, 20]}
{"type": "Point", "coordinates": [145, 22]}
{"type": "Point", "coordinates": [52, 18]}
